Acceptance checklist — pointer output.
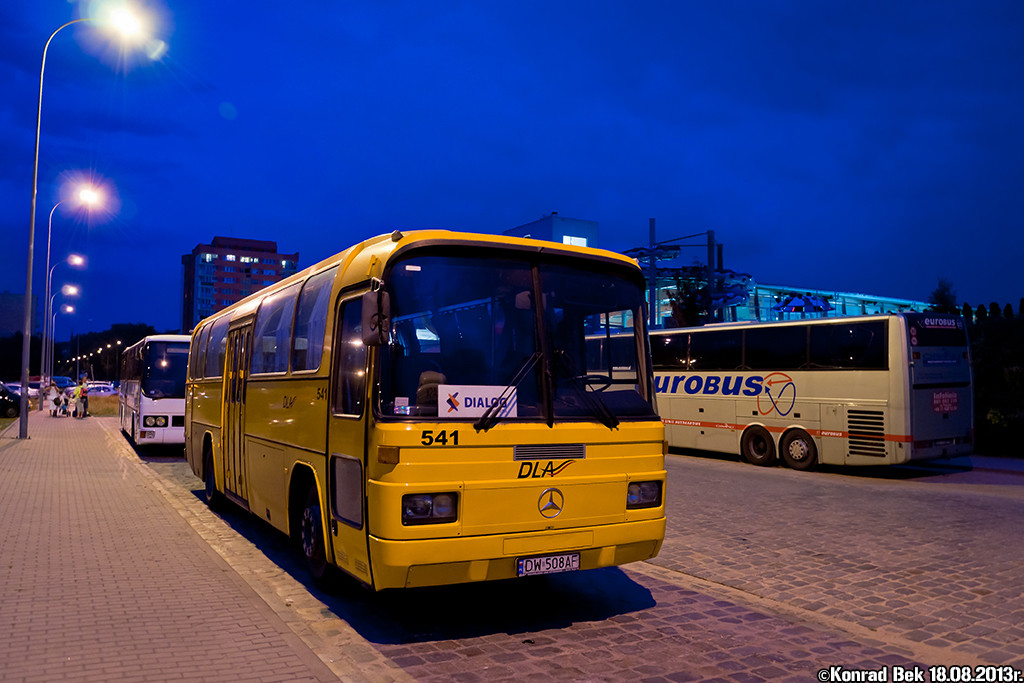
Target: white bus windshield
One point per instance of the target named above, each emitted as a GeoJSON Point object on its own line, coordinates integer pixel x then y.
{"type": "Point", "coordinates": [163, 372]}
{"type": "Point", "coordinates": [467, 336]}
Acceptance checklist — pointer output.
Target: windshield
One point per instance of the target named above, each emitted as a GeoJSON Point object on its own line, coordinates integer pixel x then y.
{"type": "Point", "coordinates": [468, 341]}
{"type": "Point", "coordinates": [163, 375]}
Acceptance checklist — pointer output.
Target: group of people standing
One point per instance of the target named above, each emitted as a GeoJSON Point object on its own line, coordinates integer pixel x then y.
{"type": "Point", "coordinates": [75, 405]}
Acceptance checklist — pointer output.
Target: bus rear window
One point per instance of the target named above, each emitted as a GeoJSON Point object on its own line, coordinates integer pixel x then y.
{"type": "Point", "coordinates": [933, 329]}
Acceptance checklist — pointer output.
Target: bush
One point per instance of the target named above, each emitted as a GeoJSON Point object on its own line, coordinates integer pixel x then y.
{"type": "Point", "coordinates": [997, 347]}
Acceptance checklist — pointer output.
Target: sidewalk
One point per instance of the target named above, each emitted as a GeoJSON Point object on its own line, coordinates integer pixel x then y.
{"type": "Point", "coordinates": [102, 580]}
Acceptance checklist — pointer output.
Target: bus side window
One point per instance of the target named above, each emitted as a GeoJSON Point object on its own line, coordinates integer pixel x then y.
{"type": "Point", "coordinates": [197, 359]}
{"type": "Point", "coordinates": [350, 353]}
{"type": "Point", "coordinates": [216, 348]}
{"type": "Point", "coordinates": [716, 350]}
{"type": "Point", "coordinates": [311, 321]}
{"type": "Point", "coordinates": [273, 332]}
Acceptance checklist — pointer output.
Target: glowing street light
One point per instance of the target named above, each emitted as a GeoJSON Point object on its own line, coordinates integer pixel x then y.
{"type": "Point", "coordinates": [67, 309]}
{"type": "Point", "coordinates": [27, 326]}
{"type": "Point", "coordinates": [48, 346]}
{"type": "Point", "coordinates": [89, 197]}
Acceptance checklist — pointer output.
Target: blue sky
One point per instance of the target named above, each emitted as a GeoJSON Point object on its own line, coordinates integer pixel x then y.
{"type": "Point", "coordinates": [858, 146]}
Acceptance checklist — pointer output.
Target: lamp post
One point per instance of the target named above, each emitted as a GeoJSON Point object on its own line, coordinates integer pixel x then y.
{"type": "Point", "coordinates": [66, 308]}
{"type": "Point", "coordinates": [87, 196]}
{"type": "Point", "coordinates": [66, 290]}
{"type": "Point", "coordinates": [127, 25]}
{"type": "Point", "coordinates": [46, 364]}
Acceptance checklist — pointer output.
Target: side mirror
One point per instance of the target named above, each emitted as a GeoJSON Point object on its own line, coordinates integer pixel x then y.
{"type": "Point", "coordinates": [376, 318]}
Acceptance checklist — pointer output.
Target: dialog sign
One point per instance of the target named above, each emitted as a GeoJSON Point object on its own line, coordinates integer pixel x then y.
{"type": "Point", "coordinates": [473, 400]}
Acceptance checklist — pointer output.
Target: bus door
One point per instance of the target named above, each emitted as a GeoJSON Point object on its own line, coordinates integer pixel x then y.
{"type": "Point", "coordinates": [236, 367]}
{"type": "Point", "coordinates": [346, 445]}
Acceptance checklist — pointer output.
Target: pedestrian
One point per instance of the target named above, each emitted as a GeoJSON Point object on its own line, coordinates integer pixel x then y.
{"type": "Point", "coordinates": [85, 396]}
{"type": "Point", "coordinates": [53, 398]}
{"type": "Point", "coordinates": [76, 406]}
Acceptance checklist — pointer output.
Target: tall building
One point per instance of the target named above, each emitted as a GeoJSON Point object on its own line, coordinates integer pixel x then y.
{"type": "Point", "coordinates": [228, 270]}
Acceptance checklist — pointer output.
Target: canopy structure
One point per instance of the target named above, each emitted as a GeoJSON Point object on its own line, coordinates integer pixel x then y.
{"type": "Point", "coordinates": [802, 303]}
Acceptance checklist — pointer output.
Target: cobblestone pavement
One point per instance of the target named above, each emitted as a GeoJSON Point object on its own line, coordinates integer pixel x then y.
{"type": "Point", "coordinates": [101, 580]}
{"type": "Point", "coordinates": [765, 575]}
{"type": "Point", "coordinates": [113, 569]}
{"type": "Point", "coordinates": [907, 554]}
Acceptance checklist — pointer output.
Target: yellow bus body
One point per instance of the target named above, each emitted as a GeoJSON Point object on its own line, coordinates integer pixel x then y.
{"type": "Point", "coordinates": [261, 440]}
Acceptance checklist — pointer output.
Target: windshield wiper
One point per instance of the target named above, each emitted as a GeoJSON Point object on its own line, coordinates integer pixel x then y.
{"type": "Point", "coordinates": [490, 416]}
{"type": "Point", "coordinates": [597, 407]}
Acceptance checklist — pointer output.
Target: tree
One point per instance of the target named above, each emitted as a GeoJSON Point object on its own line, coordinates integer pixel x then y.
{"type": "Point", "coordinates": [943, 298]}
{"type": "Point", "coordinates": [982, 313]}
{"type": "Point", "coordinates": [993, 310]}
{"type": "Point", "coordinates": [1008, 312]}
{"type": "Point", "coordinates": [686, 299]}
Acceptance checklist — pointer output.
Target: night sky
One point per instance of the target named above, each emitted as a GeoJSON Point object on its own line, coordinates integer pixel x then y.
{"type": "Point", "coordinates": [857, 146]}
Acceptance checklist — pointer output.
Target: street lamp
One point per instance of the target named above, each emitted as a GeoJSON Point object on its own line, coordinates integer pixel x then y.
{"type": "Point", "coordinates": [121, 23]}
{"type": "Point", "coordinates": [66, 308]}
{"type": "Point", "coordinates": [66, 290]}
{"type": "Point", "coordinates": [46, 363]}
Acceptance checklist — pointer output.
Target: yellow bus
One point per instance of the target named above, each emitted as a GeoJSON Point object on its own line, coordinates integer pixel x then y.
{"type": "Point", "coordinates": [421, 409]}
{"type": "Point", "coordinates": [864, 390]}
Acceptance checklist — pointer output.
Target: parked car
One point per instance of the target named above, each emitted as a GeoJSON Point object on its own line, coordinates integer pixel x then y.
{"type": "Point", "coordinates": [10, 402]}
{"type": "Point", "coordinates": [33, 390]}
{"type": "Point", "coordinates": [101, 388]}
{"type": "Point", "coordinates": [63, 382]}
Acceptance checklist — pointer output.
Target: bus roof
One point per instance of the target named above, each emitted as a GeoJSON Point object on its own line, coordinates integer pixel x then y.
{"type": "Point", "coordinates": [835, 320]}
{"type": "Point", "coordinates": [162, 338]}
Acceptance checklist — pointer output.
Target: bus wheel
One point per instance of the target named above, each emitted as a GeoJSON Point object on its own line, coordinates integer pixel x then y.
{"type": "Point", "coordinates": [311, 535]}
{"type": "Point", "coordinates": [210, 493]}
{"type": "Point", "coordinates": [757, 446]}
{"type": "Point", "coordinates": [798, 450]}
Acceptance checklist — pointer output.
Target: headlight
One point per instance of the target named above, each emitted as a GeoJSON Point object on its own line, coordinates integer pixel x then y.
{"type": "Point", "coordinates": [155, 421]}
{"type": "Point", "coordinates": [161, 421]}
{"type": "Point", "coordinates": [643, 494]}
{"type": "Point", "coordinates": [149, 421]}
{"type": "Point", "coordinates": [429, 508]}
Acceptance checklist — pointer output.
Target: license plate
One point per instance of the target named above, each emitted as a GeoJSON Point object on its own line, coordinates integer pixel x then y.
{"type": "Point", "coordinates": [548, 564]}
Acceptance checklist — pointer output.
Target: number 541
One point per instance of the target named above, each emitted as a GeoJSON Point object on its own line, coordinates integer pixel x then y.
{"type": "Point", "coordinates": [440, 438]}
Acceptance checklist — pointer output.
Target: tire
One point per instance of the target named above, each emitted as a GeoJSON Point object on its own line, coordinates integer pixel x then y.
{"type": "Point", "coordinates": [10, 411]}
{"type": "Point", "coordinates": [757, 446]}
{"type": "Point", "coordinates": [210, 493]}
{"type": "Point", "coordinates": [798, 450]}
{"type": "Point", "coordinates": [311, 536]}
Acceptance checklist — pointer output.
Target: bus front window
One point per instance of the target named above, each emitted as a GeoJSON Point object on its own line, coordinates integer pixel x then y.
{"type": "Point", "coordinates": [164, 373]}
{"type": "Point", "coordinates": [465, 338]}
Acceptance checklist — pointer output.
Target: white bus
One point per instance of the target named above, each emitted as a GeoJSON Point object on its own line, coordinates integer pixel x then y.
{"type": "Point", "coordinates": [866, 390]}
{"type": "Point", "coordinates": [152, 395]}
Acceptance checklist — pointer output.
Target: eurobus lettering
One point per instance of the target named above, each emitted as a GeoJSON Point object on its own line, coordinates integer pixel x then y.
{"type": "Point", "coordinates": [710, 384]}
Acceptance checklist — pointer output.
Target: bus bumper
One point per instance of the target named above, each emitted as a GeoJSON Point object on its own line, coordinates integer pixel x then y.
{"type": "Point", "coordinates": [408, 564]}
{"type": "Point", "coordinates": [152, 436]}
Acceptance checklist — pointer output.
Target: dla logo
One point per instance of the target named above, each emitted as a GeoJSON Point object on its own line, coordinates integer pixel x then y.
{"type": "Point", "coordinates": [453, 402]}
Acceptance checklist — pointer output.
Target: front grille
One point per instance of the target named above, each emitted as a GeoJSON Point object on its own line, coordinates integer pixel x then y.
{"type": "Point", "coordinates": [867, 432]}
{"type": "Point", "coordinates": [569, 451]}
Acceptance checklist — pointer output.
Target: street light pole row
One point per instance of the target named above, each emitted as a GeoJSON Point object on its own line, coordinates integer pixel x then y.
{"type": "Point", "coordinates": [127, 25]}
